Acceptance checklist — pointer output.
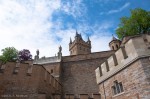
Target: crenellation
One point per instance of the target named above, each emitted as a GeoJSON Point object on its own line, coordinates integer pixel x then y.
{"type": "Point", "coordinates": [16, 69]}
{"type": "Point", "coordinates": [124, 52]}
{"type": "Point", "coordinates": [47, 60]}
{"type": "Point", "coordinates": [120, 55]}
{"type": "Point", "coordinates": [103, 68]}
{"type": "Point", "coordinates": [3, 66]}
{"type": "Point", "coordinates": [30, 67]}
{"type": "Point", "coordinates": [111, 62]}
{"type": "Point", "coordinates": [98, 73]}
{"type": "Point", "coordinates": [23, 80]}
{"type": "Point", "coordinates": [132, 50]}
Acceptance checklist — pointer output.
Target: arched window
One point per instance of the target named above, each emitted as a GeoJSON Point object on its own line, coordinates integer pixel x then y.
{"type": "Point", "coordinates": [112, 47]}
{"type": "Point", "coordinates": [117, 46]}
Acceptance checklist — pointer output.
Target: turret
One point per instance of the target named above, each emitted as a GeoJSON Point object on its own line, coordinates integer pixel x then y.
{"type": "Point", "coordinates": [79, 46]}
{"type": "Point", "coordinates": [115, 43]}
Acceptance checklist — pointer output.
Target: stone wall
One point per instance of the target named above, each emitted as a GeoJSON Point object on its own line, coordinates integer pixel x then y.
{"type": "Point", "coordinates": [29, 81]}
{"type": "Point", "coordinates": [129, 65]}
{"type": "Point", "coordinates": [135, 80]}
{"type": "Point", "coordinates": [90, 56]}
{"type": "Point", "coordinates": [78, 76]}
{"type": "Point", "coordinates": [54, 69]}
{"type": "Point", "coordinates": [132, 50]}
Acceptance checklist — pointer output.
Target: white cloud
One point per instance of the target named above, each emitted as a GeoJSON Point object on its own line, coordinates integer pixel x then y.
{"type": "Point", "coordinates": [120, 9]}
{"type": "Point", "coordinates": [27, 24]}
{"type": "Point", "coordinates": [116, 10]}
{"type": "Point", "coordinates": [24, 24]}
{"type": "Point", "coordinates": [76, 8]}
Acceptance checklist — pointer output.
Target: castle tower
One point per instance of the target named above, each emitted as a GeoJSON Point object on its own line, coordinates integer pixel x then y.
{"type": "Point", "coordinates": [79, 46]}
{"type": "Point", "coordinates": [114, 44]}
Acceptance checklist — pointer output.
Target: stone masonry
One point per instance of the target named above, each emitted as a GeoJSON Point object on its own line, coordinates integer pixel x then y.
{"type": "Point", "coordinates": [120, 73]}
{"type": "Point", "coordinates": [130, 68]}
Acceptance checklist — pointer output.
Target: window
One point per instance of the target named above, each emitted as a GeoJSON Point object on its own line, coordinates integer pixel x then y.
{"type": "Point", "coordinates": [117, 46]}
{"type": "Point", "coordinates": [51, 71]}
{"type": "Point", "coordinates": [112, 47]}
{"type": "Point", "coordinates": [117, 88]}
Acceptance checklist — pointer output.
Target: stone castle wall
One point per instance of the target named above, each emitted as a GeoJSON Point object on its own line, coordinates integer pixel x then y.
{"type": "Point", "coordinates": [128, 65]}
{"type": "Point", "coordinates": [90, 56]}
{"type": "Point", "coordinates": [55, 69]}
{"type": "Point", "coordinates": [135, 80]}
{"type": "Point", "coordinates": [22, 80]}
{"type": "Point", "coordinates": [78, 76]}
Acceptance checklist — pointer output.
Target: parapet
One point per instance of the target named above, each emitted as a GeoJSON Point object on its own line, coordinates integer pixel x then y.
{"type": "Point", "coordinates": [95, 55]}
{"type": "Point", "coordinates": [134, 48]}
{"type": "Point", "coordinates": [46, 60]}
{"type": "Point", "coordinates": [28, 76]}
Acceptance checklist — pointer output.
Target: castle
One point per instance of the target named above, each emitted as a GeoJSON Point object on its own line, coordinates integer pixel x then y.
{"type": "Point", "coordinates": [120, 73]}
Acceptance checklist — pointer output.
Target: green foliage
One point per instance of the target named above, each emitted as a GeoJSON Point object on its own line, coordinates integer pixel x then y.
{"type": "Point", "coordinates": [9, 54]}
{"type": "Point", "coordinates": [137, 23]}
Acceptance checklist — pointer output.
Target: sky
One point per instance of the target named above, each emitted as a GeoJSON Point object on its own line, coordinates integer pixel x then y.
{"type": "Point", "coordinates": [47, 24]}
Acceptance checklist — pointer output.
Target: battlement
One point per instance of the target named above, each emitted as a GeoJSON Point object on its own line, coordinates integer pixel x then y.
{"type": "Point", "coordinates": [134, 48]}
{"type": "Point", "coordinates": [95, 55]}
{"type": "Point", "coordinates": [46, 60]}
{"type": "Point", "coordinates": [20, 77]}
{"type": "Point", "coordinates": [81, 42]}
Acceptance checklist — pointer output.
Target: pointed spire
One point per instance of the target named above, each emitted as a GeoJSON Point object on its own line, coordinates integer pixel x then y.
{"type": "Point", "coordinates": [80, 35]}
{"type": "Point", "coordinates": [70, 40]}
{"type": "Point", "coordinates": [88, 38]}
{"type": "Point", "coordinates": [76, 32]}
{"type": "Point", "coordinates": [113, 38]}
{"type": "Point", "coordinates": [89, 42]}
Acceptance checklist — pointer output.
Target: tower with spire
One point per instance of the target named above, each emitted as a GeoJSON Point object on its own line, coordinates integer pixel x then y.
{"type": "Point", "coordinates": [79, 46]}
{"type": "Point", "coordinates": [114, 44]}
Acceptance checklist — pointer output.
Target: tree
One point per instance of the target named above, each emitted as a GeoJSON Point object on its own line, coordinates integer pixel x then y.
{"type": "Point", "coordinates": [25, 55]}
{"type": "Point", "coordinates": [137, 23]}
{"type": "Point", "coordinates": [8, 54]}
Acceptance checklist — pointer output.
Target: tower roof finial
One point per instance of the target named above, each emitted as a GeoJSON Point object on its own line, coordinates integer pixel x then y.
{"type": "Point", "coordinates": [76, 32]}
{"type": "Point", "coordinates": [88, 38]}
{"type": "Point", "coordinates": [113, 38]}
{"type": "Point", "coordinates": [60, 48]}
{"type": "Point", "coordinates": [70, 40]}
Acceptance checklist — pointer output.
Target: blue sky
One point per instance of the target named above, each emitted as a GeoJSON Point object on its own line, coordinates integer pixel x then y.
{"type": "Point", "coordinates": [46, 24]}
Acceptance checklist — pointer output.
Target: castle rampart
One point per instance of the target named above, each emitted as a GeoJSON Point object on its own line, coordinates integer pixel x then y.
{"type": "Point", "coordinates": [135, 48]}
{"type": "Point", "coordinates": [28, 81]}
{"type": "Point", "coordinates": [90, 56]}
{"type": "Point", "coordinates": [47, 60]}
